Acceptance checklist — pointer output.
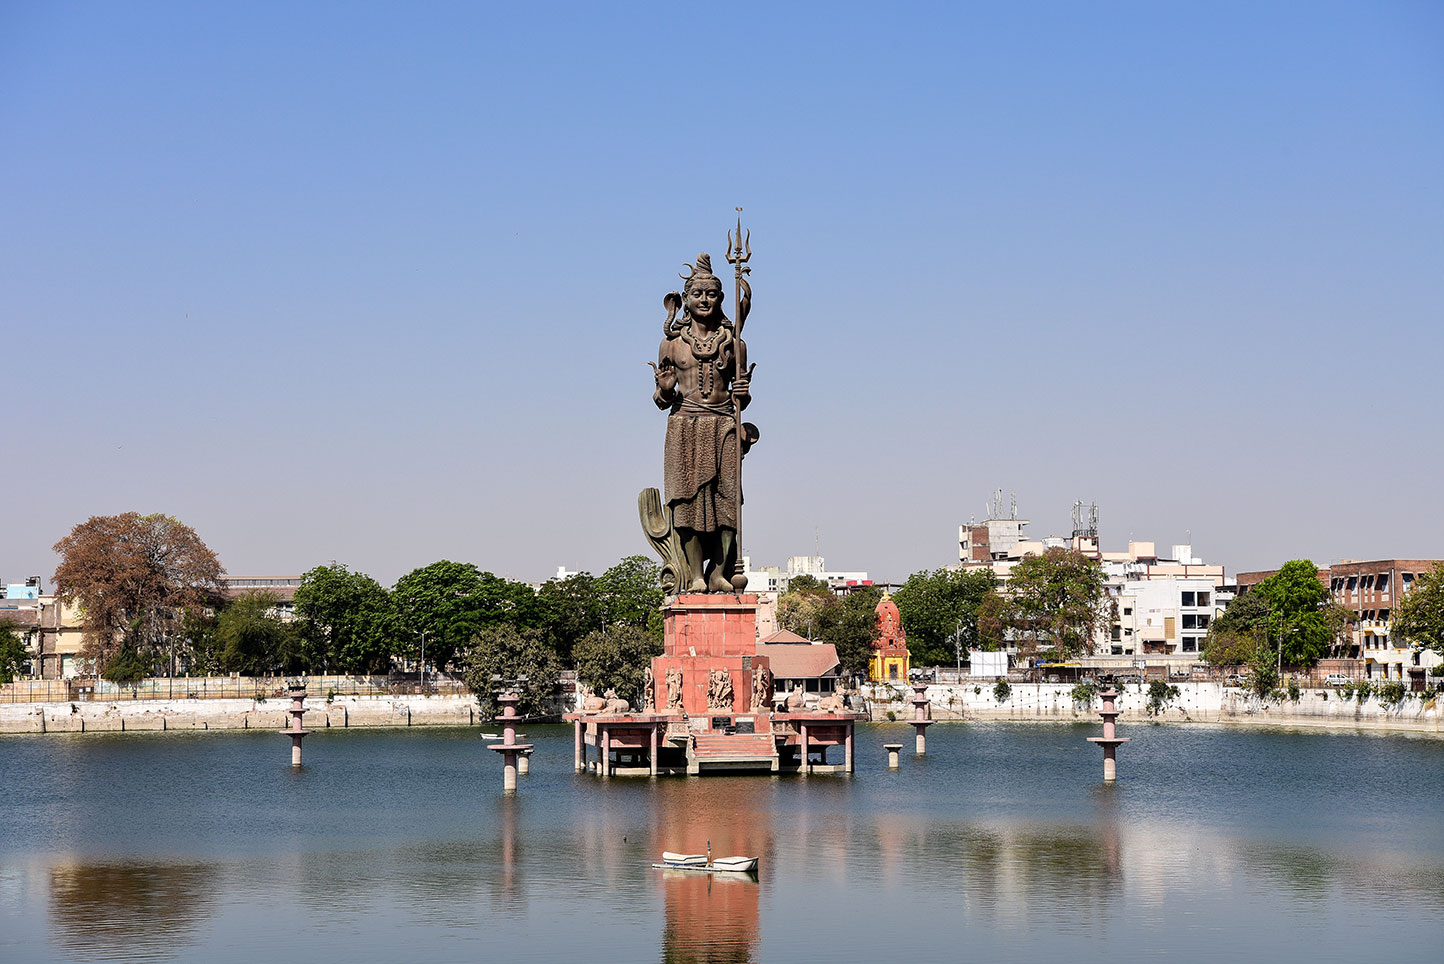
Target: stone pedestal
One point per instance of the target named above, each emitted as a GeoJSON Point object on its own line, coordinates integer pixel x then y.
{"type": "Point", "coordinates": [703, 633]}
{"type": "Point", "coordinates": [296, 732]}
{"type": "Point", "coordinates": [1110, 739]}
{"type": "Point", "coordinates": [892, 752]}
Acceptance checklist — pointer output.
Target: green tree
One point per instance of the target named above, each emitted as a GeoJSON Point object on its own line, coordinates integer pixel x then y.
{"type": "Point", "coordinates": [1419, 615]}
{"type": "Point", "coordinates": [135, 577]}
{"type": "Point", "coordinates": [347, 621]}
{"type": "Point", "coordinates": [205, 656]}
{"type": "Point", "coordinates": [573, 608]}
{"type": "Point", "coordinates": [801, 608]}
{"type": "Point", "coordinates": [128, 665]}
{"type": "Point", "coordinates": [936, 606]}
{"type": "Point", "coordinates": [1055, 602]}
{"type": "Point", "coordinates": [615, 660]}
{"type": "Point", "coordinates": [13, 653]}
{"type": "Point", "coordinates": [1300, 616]}
{"type": "Point", "coordinates": [810, 608]}
{"type": "Point", "coordinates": [520, 660]}
{"type": "Point", "coordinates": [447, 601]}
{"type": "Point", "coordinates": [631, 595]}
{"type": "Point", "coordinates": [253, 640]}
{"type": "Point", "coordinates": [1233, 638]}
{"type": "Point", "coordinates": [851, 627]}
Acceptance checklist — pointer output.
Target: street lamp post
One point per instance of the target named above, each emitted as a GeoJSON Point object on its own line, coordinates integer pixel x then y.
{"type": "Point", "coordinates": [423, 662]}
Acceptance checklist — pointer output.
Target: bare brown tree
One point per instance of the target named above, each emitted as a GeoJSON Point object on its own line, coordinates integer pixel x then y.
{"type": "Point", "coordinates": [134, 578]}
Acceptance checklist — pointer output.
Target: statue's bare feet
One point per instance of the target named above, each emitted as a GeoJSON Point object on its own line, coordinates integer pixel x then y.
{"type": "Point", "coordinates": [716, 582]}
{"type": "Point", "coordinates": [697, 585]}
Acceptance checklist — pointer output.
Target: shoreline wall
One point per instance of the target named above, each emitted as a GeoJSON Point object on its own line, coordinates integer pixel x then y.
{"type": "Point", "coordinates": [1027, 702]}
{"type": "Point", "coordinates": [1203, 702]}
{"type": "Point", "coordinates": [237, 714]}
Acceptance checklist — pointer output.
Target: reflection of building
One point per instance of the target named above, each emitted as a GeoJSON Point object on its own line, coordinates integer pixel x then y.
{"type": "Point", "coordinates": [889, 645]}
{"type": "Point", "coordinates": [713, 918]}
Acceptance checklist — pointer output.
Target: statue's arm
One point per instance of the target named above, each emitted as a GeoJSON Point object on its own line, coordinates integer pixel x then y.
{"type": "Point", "coordinates": [665, 374]}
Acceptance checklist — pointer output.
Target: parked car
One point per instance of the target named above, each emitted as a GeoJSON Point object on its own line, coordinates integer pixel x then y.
{"type": "Point", "coordinates": [1233, 679]}
{"type": "Point", "coordinates": [1338, 679]}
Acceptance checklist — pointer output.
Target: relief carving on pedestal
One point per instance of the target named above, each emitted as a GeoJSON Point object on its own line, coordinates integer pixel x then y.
{"type": "Point", "coordinates": [762, 689]}
{"type": "Point", "coordinates": [719, 690]}
{"type": "Point", "coordinates": [674, 690]}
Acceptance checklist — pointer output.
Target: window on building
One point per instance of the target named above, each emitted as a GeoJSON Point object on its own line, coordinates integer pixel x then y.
{"type": "Point", "coordinates": [1188, 598]}
{"type": "Point", "coordinates": [1190, 644]}
{"type": "Point", "coordinates": [1117, 632]}
{"type": "Point", "coordinates": [1383, 584]}
{"type": "Point", "coordinates": [1190, 621]}
{"type": "Point", "coordinates": [1384, 615]}
{"type": "Point", "coordinates": [1203, 599]}
{"type": "Point", "coordinates": [1128, 610]}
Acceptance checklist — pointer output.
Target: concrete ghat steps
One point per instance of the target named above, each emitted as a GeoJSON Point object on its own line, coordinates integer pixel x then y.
{"type": "Point", "coordinates": [738, 751]}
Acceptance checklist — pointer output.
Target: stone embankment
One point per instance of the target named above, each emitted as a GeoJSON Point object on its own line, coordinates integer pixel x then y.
{"type": "Point", "coordinates": [1196, 703]}
{"type": "Point", "coordinates": [236, 714]}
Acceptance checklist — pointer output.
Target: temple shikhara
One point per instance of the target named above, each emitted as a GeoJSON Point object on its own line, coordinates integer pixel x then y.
{"type": "Point", "coordinates": [709, 702]}
{"type": "Point", "coordinates": [889, 644]}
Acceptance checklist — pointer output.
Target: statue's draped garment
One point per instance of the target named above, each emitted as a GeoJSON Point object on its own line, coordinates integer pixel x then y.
{"type": "Point", "coordinates": [700, 466]}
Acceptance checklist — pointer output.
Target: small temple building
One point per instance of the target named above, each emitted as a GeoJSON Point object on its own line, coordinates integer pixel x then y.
{"type": "Point", "coordinates": [890, 660]}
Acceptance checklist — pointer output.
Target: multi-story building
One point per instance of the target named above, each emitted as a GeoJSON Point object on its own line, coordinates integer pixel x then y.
{"type": "Point", "coordinates": [50, 629]}
{"type": "Point", "coordinates": [281, 588]}
{"type": "Point", "coordinates": [1371, 590]}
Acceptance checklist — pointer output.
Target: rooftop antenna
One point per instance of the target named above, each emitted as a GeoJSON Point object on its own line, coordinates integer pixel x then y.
{"type": "Point", "coordinates": [1013, 510]}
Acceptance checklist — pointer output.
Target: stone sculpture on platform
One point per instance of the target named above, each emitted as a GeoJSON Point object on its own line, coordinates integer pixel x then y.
{"type": "Point", "coordinates": [649, 696]}
{"type": "Point", "coordinates": [719, 690]}
{"type": "Point", "coordinates": [674, 690]}
{"type": "Point", "coordinates": [762, 689]}
{"type": "Point", "coordinates": [703, 382]}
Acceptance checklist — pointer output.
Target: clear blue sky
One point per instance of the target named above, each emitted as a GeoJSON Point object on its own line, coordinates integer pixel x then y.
{"type": "Point", "coordinates": [378, 282]}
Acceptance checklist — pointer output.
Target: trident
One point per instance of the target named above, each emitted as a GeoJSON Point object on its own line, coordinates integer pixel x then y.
{"type": "Point", "coordinates": [739, 252]}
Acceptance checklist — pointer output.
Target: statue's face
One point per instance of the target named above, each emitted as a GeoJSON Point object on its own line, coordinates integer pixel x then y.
{"type": "Point", "coordinates": [704, 299]}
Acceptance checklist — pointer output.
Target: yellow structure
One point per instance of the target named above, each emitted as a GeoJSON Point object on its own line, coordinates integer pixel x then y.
{"type": "Point", "coordinates": [890, 660]}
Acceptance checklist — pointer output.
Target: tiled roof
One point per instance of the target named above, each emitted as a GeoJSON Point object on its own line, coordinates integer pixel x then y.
{"type": "Point", "coordinates": [784, 636]}
{"type": "Point", "coordinates": [790, 661]}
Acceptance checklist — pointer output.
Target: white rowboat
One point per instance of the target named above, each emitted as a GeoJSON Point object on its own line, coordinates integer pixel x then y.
{"type": "Point", "coordinates": [730, 865]}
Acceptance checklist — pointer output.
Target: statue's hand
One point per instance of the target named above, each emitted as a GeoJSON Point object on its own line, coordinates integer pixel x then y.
{"type": "Point", "coordinates": [742, 384]}
{"type": "Point", "coordinates": [666, 378]}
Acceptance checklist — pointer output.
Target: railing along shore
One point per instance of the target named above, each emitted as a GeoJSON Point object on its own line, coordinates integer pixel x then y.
{"type": "Point", "coordinates": [89, 689]}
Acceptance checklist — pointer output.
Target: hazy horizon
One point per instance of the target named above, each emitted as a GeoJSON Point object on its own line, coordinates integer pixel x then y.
{"type": "Point", "coordinates": [379, 285]}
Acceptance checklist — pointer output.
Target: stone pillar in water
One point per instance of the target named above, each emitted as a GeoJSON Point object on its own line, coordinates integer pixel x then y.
{"type": "Point", "coordinates": [509, 749]}
{"type": "Point", "coordinates": [296, 731]}
{"type": "Point", "coordinates": [1110, 739]}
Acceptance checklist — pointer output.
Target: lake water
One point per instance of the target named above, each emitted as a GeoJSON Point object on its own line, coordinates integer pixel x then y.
{"type": "Point", "coordinates": [1001, 844]}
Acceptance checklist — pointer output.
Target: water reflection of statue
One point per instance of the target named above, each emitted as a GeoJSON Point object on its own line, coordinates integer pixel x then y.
{"type": "Point", "coordinates": [649, 696]}
{"type": "Point", "coordinates": [674, 690]}
{"type": "Point", "coordinates": [762, 688]}
{"type": "Point", "coordinates": [703, 383]}
{"type": "Point", "coordinates": [719, 690]}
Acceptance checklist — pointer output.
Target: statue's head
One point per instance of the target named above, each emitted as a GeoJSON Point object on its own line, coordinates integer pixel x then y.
{"type": "Point", "coordinates": [702, 290]}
